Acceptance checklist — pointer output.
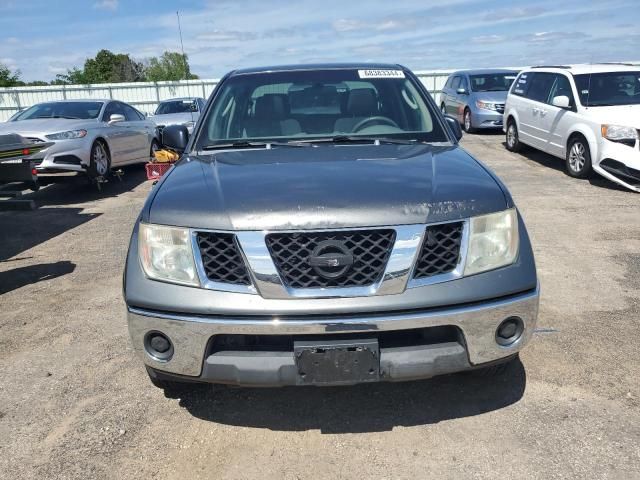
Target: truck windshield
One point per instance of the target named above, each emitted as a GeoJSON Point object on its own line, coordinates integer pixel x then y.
{"type": "Point", "coordinates": [607, 89]}
{"type": "Point", "coordinates": [492, 82]}
{"type": "Point", "coordinates": [71, 110]}
{"type": "Point", "coordinates": [316, 104]}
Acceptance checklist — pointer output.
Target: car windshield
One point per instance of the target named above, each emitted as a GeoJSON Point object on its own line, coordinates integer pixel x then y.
{"type": "Point", "coordinates": [610, 88]}
{"type": "Point", "coordinates": [71, 110]}
{"type": "Point", "coordinates": [177, 106]}
{"type": "Point", "coordinates": [319, 104]}
{"type": "Point", "coordinates": [492, 82]}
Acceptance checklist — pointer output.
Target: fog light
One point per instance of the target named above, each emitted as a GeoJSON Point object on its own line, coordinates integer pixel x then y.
{"type": "Point", "coordinates": [159, 343]}
{"type": "Point", "coordinates": [509, 331]}
{"type": "Point", "coordinates": [158, 346]}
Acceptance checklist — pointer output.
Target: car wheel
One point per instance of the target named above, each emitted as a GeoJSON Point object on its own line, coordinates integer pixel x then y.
{"type": "Point", "coordinates": [100, 161]}
{"type": "Point", "coordinates": [155, 146]}
{"type": "Point", "coordinates": [468, 126]}
{"type": "Point", "coordinates": [512, 139]}
{"type": "Point", "coordinates": [578, 158]}
{"type": "Point", "coordinates": [495, 369]}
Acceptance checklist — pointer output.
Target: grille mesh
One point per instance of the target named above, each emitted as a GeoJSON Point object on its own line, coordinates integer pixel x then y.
{"type": "Point", "coordinates": [221, 258]}
{"type": "Point", "coordinates": [370, 250]}
{"type": "Point", "coordinates": [440, 250]}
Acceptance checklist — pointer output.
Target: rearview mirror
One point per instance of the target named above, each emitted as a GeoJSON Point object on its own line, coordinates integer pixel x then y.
{"type": "Point", "coordinates": [561, 101]}
{"type": "Point", "coordinates": [461, 91]}
{"type": "Point", "coordinates": [175, 137]}
{"type": "Point", "coordinates": [115, 118]}
{"type": "Point", "coordinates": [454, 125]}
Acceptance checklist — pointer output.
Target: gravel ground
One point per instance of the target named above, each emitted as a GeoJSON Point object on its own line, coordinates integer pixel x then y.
{"type": "Point", "coordinates": [75, 403]}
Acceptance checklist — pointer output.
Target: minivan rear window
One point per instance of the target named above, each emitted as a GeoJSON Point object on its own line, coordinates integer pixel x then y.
{"type": "Point", "coordinates": [521, 84]}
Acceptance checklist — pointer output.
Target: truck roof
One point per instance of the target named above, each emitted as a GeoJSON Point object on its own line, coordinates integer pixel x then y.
{"type": "Point", "coordinates": [317, 66]}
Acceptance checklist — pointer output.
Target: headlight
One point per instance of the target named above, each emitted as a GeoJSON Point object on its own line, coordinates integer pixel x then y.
{"type": "Point", "coordinates": [485, 105]}
{"type": "Point", "coordinates": [493, 241]}
{"type": "Point", "coordinates": [166, 254]}
{"type": "Point", "coordinates": [618, 133]}
{"type": "Point", "coordinates": [67, 135]}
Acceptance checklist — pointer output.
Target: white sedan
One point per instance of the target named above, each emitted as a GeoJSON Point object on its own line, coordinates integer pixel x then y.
{"type": "Point", "coordinates": [90, 136]}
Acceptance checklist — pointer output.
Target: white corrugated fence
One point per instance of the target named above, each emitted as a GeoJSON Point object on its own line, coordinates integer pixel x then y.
{"type": "Point", "coordinates": [142, 95]}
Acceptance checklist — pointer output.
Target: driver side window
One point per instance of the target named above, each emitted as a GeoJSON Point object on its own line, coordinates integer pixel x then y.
{"type": "Point", "coordinates": [113, 108]}
{"type": "Point", "coordinates": [464, 84]}
{"type": "Point", "coordinates": [130, 114]}
{"type": "Point", "coordinates": [561, 87]}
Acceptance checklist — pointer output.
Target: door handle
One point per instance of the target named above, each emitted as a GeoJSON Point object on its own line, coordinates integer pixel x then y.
{"type": "Point", "coordinates": [542, 112]}
{"type": "Point", "coordinates": [535, 110]}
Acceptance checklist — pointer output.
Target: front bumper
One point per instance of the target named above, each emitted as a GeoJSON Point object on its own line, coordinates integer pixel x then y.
{"type": "Point", "coordinates": [191, 335]}
{"type": "Point", "coordinates": [481, 118]}
{"type": "Point", "coordinates": [619, 163]}
{"type": "Point", "coordinates": [65, 156]}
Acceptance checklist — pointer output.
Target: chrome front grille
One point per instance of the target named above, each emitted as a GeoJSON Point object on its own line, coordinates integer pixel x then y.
{"type": "Point", "coordinates": [331, 263]}
{"type": "Point", "coordinates": [221, 258]}
{"type": "Point", "coordinates": [500, 107]}
{"type": "Point", "coordinates": [365, 251]}
{"type": "Point", "coordinates": [440, 252]}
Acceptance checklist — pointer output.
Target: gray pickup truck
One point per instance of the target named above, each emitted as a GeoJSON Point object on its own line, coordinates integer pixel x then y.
{"type": "Point", "coordinates": [324, 227]}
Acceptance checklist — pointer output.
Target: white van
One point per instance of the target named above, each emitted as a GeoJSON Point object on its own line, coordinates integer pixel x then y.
{"type": "Point", "coordinates": [587, 114]}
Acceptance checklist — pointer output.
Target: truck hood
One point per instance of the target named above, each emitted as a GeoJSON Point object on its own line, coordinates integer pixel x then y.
{"type": "Point", "coordinates": [627, 115]}
{"type": "Point", "coordinates": [44, 126]}
{"type": "Point", "coordinates": [174, 118]}
{"type": "Point", "coordinates": [324, 187]}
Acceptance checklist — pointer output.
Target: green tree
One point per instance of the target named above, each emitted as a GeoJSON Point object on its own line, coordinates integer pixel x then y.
{"type": "Point", "coordinates": [105, 67]}
{"type": "Point", "coordinates": [169, 66]}
{"type": "Point", "coordinates": [75, 76]}
{"type": "Point", "coordinates": [9, 78]}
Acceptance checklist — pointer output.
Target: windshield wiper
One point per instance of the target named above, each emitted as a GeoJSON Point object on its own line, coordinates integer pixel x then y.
{"type": "Point", "coordinates": [55, 116]}
{"type": "Point", "coordinates": [357, 139]}
{"type": "Point", "coordinates": [246, 144]}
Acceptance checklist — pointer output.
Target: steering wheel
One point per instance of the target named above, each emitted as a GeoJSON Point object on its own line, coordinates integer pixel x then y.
{"type": "Point", "coordinates": [362, 124]}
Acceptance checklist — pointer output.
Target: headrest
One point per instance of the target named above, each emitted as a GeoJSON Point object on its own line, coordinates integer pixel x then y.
{"type": "Point", "coordinates": [272, 105]}
{"type": "Point", "coordinates": [362, 102]}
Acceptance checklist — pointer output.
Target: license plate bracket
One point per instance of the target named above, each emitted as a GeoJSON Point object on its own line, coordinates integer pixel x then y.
{"type": "Point", "coordinates": [337, 362]}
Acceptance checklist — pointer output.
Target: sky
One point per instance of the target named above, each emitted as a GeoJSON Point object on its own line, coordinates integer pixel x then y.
{"type": "Point", "coordinates": [42, 38]}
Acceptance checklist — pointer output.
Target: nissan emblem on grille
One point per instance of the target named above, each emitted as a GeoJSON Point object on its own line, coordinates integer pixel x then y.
{"type": "Point", "coordinates": [331, 259]}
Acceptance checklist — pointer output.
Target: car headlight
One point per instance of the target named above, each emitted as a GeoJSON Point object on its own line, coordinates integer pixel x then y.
{"type": "Point", "coordinates": [166, 254]}
{"type": "Point", "coordinates": [486, 105]}
{"type": "Point", "coordinates": [493, 241]}
{"type": "Point", "coordinates": [619, 133]}
{"type": "Point", "coordinates": [67, 135]}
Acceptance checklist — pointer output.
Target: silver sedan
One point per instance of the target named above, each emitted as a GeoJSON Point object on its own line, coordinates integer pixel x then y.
{"type": "Point", "coordinates": [179, 111]}
{"type": "Point", "coordinates": [89, 136]}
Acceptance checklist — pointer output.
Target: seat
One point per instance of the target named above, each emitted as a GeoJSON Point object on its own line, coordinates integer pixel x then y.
{"type": "Point", "coordinates": [362, 103]}
{"type": "Point", "coordinates": [271, 118]}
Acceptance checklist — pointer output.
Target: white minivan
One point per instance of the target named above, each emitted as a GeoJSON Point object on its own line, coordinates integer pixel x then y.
{"type": "Point", "coordinates": [587, 114]}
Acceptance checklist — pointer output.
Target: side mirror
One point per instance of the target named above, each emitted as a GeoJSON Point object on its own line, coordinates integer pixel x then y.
{"type": "Point", "coordinates": [175, 137]}
{"type": "Point", "coordinates": [454, 125]}
{"type": "Point", "coordinates": [561, 101]}
{"type": "Point", "coordinates": [461, 91]}
{"type": "Point", "coordinates": [115, 118]}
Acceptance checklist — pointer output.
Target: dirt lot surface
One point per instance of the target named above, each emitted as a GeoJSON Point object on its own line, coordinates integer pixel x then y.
{"type": "Point", "coordinates": [75, 402]}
